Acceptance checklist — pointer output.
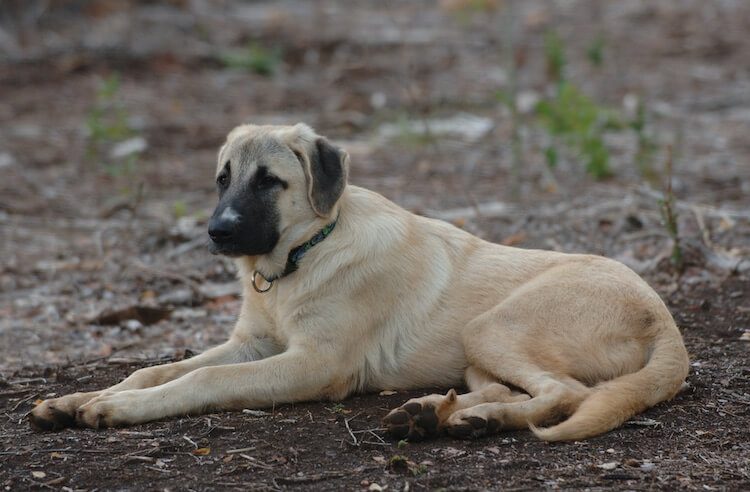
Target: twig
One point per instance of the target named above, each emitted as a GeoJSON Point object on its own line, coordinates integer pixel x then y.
{"type": "Point", "coordinates": [355, 442]}
{"type": "Point", "coordinates": [255, 463]}
{"type": "Point", "coordinates": [16, 392]}
{"type": "Point", "coordinates": [240, 450]}
{"type": "Point", "coordinates": [185, 247]}
{"type": "Point", "coordinates": [20, 402]}
{"type": "Point", "coordinates": [136, 457]}
{"type": "Point", "coordinates": [58, 450]}
{"type": "Point", "coordinates": [308, 479]}
{"type": "Point", "coordinates": [170, 275]}
{"type": "Point", "coordinates": [702, 226]}
{"type": "Point", "coordinates": [28, 381]}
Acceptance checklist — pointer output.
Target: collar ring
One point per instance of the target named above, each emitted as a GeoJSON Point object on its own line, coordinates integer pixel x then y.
{"type": "Point", "coordinates": [256, 273]}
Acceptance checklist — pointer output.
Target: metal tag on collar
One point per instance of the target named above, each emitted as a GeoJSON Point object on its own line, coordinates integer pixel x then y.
{"type": "Point", "coordinates": [256, 273]}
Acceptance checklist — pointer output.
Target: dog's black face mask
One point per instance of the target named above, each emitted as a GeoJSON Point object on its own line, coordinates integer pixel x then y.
{"type": "Point", "coordinates": [246, 220]}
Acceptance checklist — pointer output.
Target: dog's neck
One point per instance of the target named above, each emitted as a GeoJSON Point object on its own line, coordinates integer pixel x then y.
{"type": "Point", "coordinates": [284, 258]}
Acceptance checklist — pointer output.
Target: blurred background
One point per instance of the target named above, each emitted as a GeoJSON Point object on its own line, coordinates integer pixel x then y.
{"type": "Point", "coordinates": [618, 128]}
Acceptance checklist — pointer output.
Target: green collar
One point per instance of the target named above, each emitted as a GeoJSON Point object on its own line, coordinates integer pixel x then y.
{"type": "Point", "coordinates": [295, 255]}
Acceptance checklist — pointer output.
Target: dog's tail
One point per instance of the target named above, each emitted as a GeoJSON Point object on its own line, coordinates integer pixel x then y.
{"type": "Point", "coordinates": [615, 401]}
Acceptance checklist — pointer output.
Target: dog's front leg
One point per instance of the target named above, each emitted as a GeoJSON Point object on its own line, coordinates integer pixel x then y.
{"type": "Point", "coordinates": [60, 412]}
{"type": "Point", "coordinates": [294, 375]}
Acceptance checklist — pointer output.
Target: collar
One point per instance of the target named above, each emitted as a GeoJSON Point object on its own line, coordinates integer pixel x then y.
{"type": "Point", "coordinates": [295, 255]}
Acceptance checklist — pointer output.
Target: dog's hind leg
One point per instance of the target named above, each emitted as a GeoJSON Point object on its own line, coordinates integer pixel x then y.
{"type": "Point", "coordinates": [554, 398]}
{"type": "Point", "coordinates": [495, 342]}
{"type": "Point", "coordinates": [424, 417]}
{"type": "Point", "coordinates": [58, 413]}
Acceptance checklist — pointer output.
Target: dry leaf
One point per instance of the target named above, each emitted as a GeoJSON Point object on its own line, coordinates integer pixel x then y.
{"type": "Point", "coordinates": [514, 239]}
{"type": "Point", "coordinates": [201, 451]}
{"type": "Point", "coordinates": [146, 315]}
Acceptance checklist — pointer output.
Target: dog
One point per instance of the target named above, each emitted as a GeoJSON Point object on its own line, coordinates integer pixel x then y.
{"type": "Point", "coordinates": [344, 292]}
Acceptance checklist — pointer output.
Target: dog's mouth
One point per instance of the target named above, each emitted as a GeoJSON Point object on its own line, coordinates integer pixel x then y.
{"type": "Point", "coordinates": [223, 249]}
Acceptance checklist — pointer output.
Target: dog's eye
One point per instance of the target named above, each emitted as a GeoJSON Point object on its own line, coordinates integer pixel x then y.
{"type": "Point", "coordinates": [223, 180]}
{"type": "Point", "coordinates": [268, 181]}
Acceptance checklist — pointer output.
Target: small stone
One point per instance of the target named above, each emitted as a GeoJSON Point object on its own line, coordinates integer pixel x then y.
{"type": "Point", "coordinates": [133, 325]}
{"type": "Point", "coordinates": [131, 146]}
{"type": "Point", "coordinates": [6, 160]}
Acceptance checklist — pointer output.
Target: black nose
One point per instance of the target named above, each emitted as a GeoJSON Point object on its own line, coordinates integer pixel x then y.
{"type": "Point", "coordinates": [221, 230]}
{"type": "Point", "coordinates": [219, 234]}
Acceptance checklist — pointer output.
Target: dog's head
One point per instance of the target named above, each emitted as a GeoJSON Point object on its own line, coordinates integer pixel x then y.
{"type": "Point", "coordinates": [273, 180]}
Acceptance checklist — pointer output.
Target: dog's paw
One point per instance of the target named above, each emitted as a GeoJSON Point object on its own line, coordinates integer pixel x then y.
{"type": "Point", "coordinates": [47, 417]}
{"type": "Point", "coordinates": [57, 413]}
{"type": "Point", "coordinates": [414, 421]}
{"type": "Point", "coordinates": [470, 426]}
{"type": "Point", "coordinates": [98, 413]}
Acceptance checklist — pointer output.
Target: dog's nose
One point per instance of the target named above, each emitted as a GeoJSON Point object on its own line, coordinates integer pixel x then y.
{"type": "Point", "coordinates": [221, 227]}
{"type": "Point", "coordinates": [220, 231]}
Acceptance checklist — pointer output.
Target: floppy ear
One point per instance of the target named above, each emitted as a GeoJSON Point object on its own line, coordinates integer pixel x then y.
{"type": "Point", "coordinates": [326, 170]}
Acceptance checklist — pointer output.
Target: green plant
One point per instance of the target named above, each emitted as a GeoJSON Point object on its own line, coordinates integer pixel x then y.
{"type": "Point", "coordinates": [646, 145]}
{"type": "Point", "coordinates": [398, 463]}
{"type": "Point", "coordinates": [413, 134]}
{"type": "Point", "coordinates": [595, 52]}
{"type": "Point", "coordinates": [338, 408]}
{"type": "Point", "coordinates": [254, 58]}
{"type": "Point", "coordinates": [107, 125]}
{"type": "Point", "coordinates": [466, 10]}
{"type": "Point", "coordinates": [581, 124]}
{"type": "Point", "coordinates": [571, 117]}
{"type": "Point", "coordinates": [179, 209]}
{"type": "Point", "coordinates": [554, 52]}
{"type": "Point", "coordinates": [669, 214]}
{"type": "Point", "coordinates": [107, 119]}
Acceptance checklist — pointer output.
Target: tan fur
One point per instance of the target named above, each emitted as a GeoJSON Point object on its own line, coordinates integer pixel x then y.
{"type": "Point", "coordinates": [391, 300]}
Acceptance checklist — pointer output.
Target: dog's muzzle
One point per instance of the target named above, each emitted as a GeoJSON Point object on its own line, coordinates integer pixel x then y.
{"type": "Point", "coordinates": [222, 229]}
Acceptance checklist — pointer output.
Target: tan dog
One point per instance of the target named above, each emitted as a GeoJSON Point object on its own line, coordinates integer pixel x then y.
{"type": "Point", "coordinates": [346, 292]}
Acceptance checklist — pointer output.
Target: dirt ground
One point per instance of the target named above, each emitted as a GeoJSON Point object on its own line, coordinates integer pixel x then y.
{"type": "Point", "coordinates": [104, 267]}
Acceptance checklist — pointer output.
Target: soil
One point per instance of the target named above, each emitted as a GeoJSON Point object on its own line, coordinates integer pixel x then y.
{"type": "Point", "coordinates": [104, 268]}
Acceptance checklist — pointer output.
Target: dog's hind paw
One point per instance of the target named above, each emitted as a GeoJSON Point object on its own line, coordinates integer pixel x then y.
{"type": "Point", "coordinates": [414, 421]}
{"type": "Point", "coordinates": [471, 427]}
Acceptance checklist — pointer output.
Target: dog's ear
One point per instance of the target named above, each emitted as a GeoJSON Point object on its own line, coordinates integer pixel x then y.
{"type": "Point", "coordinates": [326, 169]}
